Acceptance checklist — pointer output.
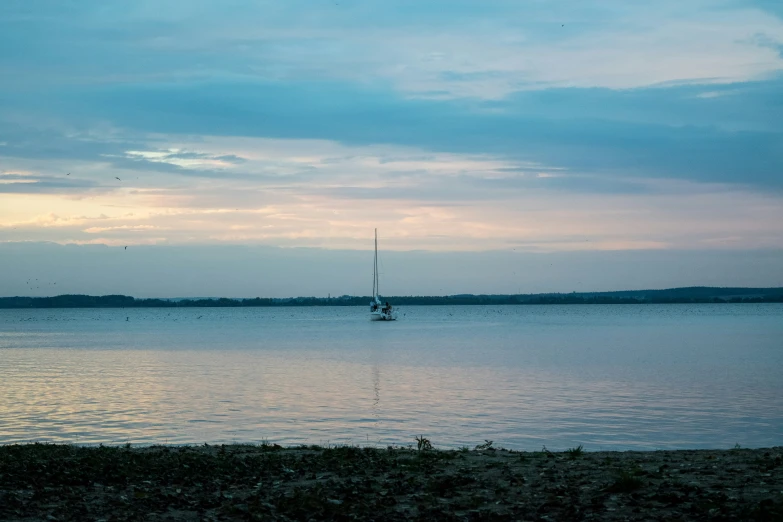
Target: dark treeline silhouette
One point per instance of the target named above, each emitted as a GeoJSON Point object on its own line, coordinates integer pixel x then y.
{"type": "Point", "coordinates": [672, 295]}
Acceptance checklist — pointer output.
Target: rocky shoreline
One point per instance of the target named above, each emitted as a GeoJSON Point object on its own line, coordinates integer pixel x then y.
{"type": "Point", "coordinates": [269, 482]}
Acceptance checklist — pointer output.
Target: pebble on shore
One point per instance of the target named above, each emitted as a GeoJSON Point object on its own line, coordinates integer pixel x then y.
{"type": "Point", "coordinates": [269, 482]}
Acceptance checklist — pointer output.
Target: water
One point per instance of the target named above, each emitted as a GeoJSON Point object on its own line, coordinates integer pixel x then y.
{"type": "Point", "coordinates": [607, 377]}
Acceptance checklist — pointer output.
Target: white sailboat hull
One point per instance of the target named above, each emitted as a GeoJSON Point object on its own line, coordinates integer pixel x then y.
{"type": "Point", "coordinates": [380, 316]}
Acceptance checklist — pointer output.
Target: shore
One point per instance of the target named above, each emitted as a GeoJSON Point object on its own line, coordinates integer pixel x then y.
{"type": "Point", "coordinates": [268, 482]}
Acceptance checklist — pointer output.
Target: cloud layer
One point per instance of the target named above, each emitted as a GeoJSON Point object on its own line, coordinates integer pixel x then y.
{"type": "Point", "coordinates": [449, 125]}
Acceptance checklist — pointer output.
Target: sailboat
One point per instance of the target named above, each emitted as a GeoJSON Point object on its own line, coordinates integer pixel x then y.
{"type": "Point", "coordinates": [379, 311]}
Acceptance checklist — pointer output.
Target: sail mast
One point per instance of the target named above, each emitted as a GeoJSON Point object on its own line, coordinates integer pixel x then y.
{"type": "Point", "coordinates": [375, 265]}
{"type": "Point", "coordinates": [376, 284]}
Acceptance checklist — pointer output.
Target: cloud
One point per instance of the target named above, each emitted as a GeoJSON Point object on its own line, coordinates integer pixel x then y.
{"type": "Point", "coordinates": [658, 132]}
{"type": "Point", "coordinates": [185, 159]}
{"type": "Point", "coordinates": [456, 124]}
{"type": "Point", "coordinates": [714, 94]}
{"type": "Point", "coordinates": [36, 184]}
{"type": "Point", "coordinates": [121, 228]}
{"type": "Point", "coordinates": [427, 200]}
{"type": "Point", "coordinates": [770, 6]}
{"type": "Point", "coordinates": [457, 49]}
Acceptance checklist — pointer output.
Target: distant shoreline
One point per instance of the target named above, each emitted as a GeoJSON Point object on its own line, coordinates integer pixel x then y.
{"type": "Point", "coordinates": [689, 295]}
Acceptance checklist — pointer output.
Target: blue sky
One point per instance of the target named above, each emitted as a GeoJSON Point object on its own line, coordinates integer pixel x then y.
{"type": "Point", "coordinates": [499, 126]}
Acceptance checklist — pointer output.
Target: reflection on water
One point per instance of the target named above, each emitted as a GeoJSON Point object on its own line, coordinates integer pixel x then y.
{"type": "Point", "coordinates": [376, 388]}
{"type": "Point", "coordinates": [619, 377]}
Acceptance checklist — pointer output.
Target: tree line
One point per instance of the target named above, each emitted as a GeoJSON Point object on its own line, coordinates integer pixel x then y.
{"type": "Point", "coordinates": [677, 295]}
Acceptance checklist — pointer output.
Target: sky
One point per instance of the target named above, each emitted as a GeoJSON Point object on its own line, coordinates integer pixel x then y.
{"type": "Point", "coordinates": [250, 148]}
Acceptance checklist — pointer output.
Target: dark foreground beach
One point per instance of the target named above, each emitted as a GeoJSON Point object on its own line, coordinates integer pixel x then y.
{"type": "Point", "coordinates": [268, 482]}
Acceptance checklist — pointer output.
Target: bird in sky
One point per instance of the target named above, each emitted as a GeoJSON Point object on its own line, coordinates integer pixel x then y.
{"type": "Point", "coordinates": [68, 174]}
{"type": "Point", "coordinates": [118, 179]}
{"type": "Point", "coordinates": [126, 248]}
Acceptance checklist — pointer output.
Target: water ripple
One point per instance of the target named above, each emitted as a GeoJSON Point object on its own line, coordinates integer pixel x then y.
{"type": "Point", "coordinates": [608, 377]}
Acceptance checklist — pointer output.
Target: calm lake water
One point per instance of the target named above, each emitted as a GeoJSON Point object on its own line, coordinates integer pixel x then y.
{"type": "Point", "coordinates": [607, 377]}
